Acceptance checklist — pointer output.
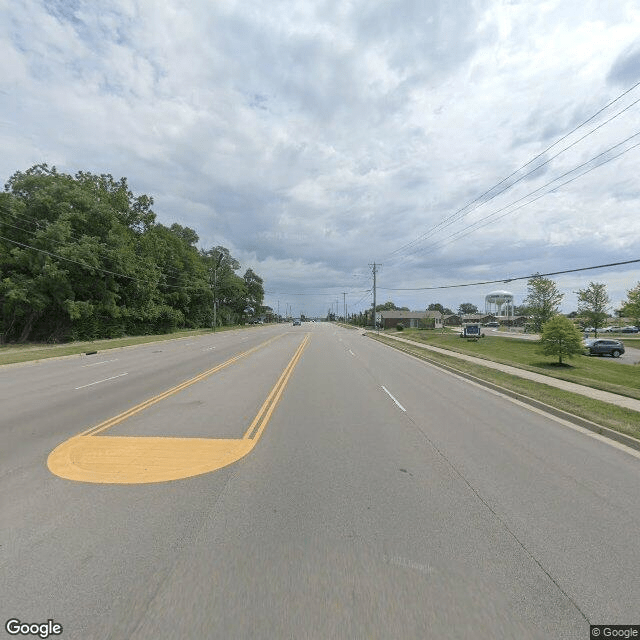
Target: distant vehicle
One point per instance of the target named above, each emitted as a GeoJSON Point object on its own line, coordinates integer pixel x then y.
{"type": "Point", "coordinates": [492, 324]}
{"type": "Point", "coordinates": [603, 347]}
{"type": "Point", "coordinates": [609, 330]}
{"type": "Point", "coordinates": [297, 323]}
{"type": "Point", "coordinates": [629, 330]}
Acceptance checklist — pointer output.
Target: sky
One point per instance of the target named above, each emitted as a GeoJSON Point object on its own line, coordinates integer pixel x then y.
{"type": "Point", "coordinates": [314, 139]}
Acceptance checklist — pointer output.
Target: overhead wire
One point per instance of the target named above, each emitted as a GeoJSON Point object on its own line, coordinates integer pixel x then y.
{"type": "Point", "coordinates": [507, 280]}
{"type": "Point", "coordinates": [484, 221]}
{"type": "Point", "coordinates": [41, 227]}
{"type": "Point", "coordinates": [94, 268]}
{"type": "Point", "coordinates": [456, 215]}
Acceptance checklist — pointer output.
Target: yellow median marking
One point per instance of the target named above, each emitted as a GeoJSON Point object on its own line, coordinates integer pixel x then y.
{"type": "Point", "coordinates": [136, 460]}
{"type": "Point", "coordinates": [183, 385]}
{"type": "Point", "coordinates": [263, 416]}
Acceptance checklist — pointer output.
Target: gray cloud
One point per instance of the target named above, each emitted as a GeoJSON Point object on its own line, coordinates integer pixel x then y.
{"type": "Point", "coordinates": [625, 71]}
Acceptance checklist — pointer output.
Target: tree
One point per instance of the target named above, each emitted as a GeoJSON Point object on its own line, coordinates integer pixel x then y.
{"type": "Point", "coordinates": [255, 291]}
{"type": "Point", "coordinates": [593, 303]}
{"type": "Point", "coordinates": [631, 308]}
{"type": "Point", "coordinates": [543, 300]}
{"type": "Point", "coordinates": [436, 306]}
{"type": "Point", "coordinates": [390, 306]}
{"type": "Point", "coordinates": [466, 308]}
{"type": "Point", "coordinates": [81, 257]}
{"type": "Point", "coordinates": [560, 337]}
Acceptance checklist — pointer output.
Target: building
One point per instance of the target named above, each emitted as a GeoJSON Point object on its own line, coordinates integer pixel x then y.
{"type": "Point", "coordinates": [410, 319]}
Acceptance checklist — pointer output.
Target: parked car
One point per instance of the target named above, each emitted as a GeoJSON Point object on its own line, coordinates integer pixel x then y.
{"type": "Point", "coordinates": [492, 324]}
{"type": "Point", "coordinates": [629, 330]}
{"type": "Point", "coordinates": [297, 323]}
{"type": "Point", "coordinates": [601, 347]}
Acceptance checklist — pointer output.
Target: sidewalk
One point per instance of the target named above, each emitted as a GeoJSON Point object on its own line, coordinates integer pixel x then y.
{"type": "Point", "coordinates": [597, 394]}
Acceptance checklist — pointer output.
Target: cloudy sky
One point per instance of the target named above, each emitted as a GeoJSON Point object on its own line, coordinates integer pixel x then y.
{"type": "Point", "coordinates": [316, 137]}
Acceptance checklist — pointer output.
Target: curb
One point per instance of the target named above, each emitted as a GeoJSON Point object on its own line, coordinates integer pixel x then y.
{"type": "Point", "coordinates": [622, 438]}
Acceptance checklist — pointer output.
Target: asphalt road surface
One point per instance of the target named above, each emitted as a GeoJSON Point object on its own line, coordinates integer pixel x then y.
{"type": "Point", "coordinates": [303, 482]}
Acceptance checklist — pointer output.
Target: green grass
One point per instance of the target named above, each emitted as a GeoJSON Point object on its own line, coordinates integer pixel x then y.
{"type": "Point", "coordinates": [602, 413]}
{"type": "Point", "coordinates": [600, 373]}
{"type": "Point", "coordinates": [11, 354]}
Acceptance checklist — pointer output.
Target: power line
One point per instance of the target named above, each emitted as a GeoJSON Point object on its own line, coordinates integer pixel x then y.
{"type": "Point", "coordinates": [483, 222]}
{"type": "Point", "coordinates": [454, 216]}
{"type": "Point", "coordinates": [43, 227]}
{"type": "Point", "coordinates": [94, 268]}
{"type": "Point", "coordinates": [506, 280]}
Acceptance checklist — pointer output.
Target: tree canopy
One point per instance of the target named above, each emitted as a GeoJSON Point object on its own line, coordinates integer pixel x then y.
{"type": "Point", "coordinates": [560, 337]}
{"type": "Point", "coordinates": [631, 307]}
{"type": "Point", "coordinates": [593, 303]}
{"type": "Point", "coordinates": [436, 306]}
{"type": "Point", "coordinates": [543, 300]}
{"type": "Point", "coordinates": [467, 308]}
{"type": "Point", "coordinates": [82, 257]}
{"type": "Point", "coordinates": [390, 306]}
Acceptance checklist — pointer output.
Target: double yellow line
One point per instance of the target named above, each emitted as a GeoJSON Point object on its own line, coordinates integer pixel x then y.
{"type": "Point", "coordinates": [262, 418]}
{"type": "Point", "coordinates": [151, 401]}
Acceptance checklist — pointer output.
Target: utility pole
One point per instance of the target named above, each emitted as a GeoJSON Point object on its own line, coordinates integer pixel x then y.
{"type": "Point", "coordinates": [344, 305]}
{"type": "Point", "coordinates": [375, 270]}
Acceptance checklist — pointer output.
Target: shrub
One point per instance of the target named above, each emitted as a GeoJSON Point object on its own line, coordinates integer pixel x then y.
{"type": "Point", "coordinates": [560, 338]}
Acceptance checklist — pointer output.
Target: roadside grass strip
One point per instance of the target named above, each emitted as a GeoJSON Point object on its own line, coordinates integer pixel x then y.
{"type": "Point", "coordinates": [600, 373]}
{"type": "Point", "coordinates": [620, 419]}
{"type": "Point", "coordinates": [13, 354]}
{"type": "Point", "coordinates": [143, 459]}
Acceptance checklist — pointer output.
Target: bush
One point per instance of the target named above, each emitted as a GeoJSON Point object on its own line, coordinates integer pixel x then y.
{"type": "Point", "coordinates": [561, 338]}
{"type": "Point", "coordinates": [399, 326]}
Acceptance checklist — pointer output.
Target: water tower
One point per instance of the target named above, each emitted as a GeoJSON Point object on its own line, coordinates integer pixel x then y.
{"type": "Point", "coordinates": [499, 303]}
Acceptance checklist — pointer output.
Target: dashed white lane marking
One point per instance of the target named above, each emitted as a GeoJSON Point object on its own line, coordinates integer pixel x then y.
{"type": "Point", "coordinates": [351, 352]}
{"type": "Point", "coordinates": [389, 394]}
{"type": "Point", "coordinates": [105, 380]}
{"type": "Point", "coordinates": [93, 364]}
{"type": "Point", "coordinates": [208, 348]}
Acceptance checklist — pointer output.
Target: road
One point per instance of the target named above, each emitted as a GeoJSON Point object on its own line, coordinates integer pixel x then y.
{"type": "Point", "coordinates": [303, 482]}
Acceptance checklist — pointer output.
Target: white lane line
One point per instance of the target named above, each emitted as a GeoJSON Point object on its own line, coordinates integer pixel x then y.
{"type": "Point", "coordinates": [208, 348]}
{"type": "Point", "coordinates": [389, 394]}
{"type": "Point", "coordinates": [99, 381]}
{"type": "Point", "coordinates": [93, 364]}
{"type": "Point", "coordinates": [351, 352]}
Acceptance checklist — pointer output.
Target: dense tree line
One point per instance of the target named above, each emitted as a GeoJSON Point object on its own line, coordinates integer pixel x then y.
{"type": "Point", "coordinates": [82, 257]}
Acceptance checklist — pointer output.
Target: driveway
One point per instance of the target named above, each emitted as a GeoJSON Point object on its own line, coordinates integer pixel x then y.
{"type": "Point", "coordinates": [631, 355]}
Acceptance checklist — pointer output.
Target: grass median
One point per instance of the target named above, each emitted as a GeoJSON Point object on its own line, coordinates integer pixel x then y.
{"type": "Point", "coordinates": [11, 354]}
{"type": "Point", "coordinates": [602, 413]}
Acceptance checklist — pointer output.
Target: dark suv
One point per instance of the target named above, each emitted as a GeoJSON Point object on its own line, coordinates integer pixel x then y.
{"type": "Point", "coordinates": [603, 346]}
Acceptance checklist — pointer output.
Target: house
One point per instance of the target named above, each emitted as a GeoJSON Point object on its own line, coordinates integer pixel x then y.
{"type": "Point", "coordinates": [410, 319]}
{"type": "Point", "coordinates": [480, 318]}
